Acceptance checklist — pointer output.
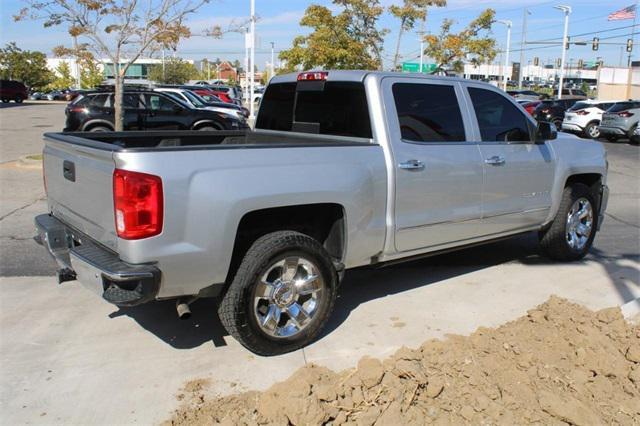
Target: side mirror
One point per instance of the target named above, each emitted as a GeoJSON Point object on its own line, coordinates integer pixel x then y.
{"type": "Point", "coordinates": [545, 132]}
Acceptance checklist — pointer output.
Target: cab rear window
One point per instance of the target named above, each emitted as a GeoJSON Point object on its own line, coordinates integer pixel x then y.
{"type": "Point", "coordinates": [332, 108]}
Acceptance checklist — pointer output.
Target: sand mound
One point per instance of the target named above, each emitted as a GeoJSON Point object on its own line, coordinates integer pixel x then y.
{"type": "Point", "coordinates": [562, 363]}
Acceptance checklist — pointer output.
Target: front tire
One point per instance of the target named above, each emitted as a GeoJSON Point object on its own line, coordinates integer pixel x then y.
{"type": "Point", "coordinates": [282, 294]}
{"type": "Point", "coordinates": [18, 99]}
{"type": "Point", "coordinates": [572, 231]}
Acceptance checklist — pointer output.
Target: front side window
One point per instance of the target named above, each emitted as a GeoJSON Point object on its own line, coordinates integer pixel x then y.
{"type": "Point", "coordinates": [160, 103]}
{"type": "Point", "coordinates": [428, 112]}
{"type": "Point", "coordinates": [498, 119]}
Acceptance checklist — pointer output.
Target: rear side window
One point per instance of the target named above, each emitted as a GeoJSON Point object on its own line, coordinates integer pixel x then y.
{"type": "Point", "coordinates": [428, 112]}
{"type": "Point", "coordinates": [333, 108]}
{"type": "Point", "coordinates": [498, 119]}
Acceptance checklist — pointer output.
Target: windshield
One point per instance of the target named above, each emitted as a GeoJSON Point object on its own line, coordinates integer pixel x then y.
{"type": "Point", "coordinates": [196, 100]}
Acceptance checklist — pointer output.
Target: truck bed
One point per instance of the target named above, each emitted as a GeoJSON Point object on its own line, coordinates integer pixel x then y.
{"type": "Point", "coordinates": [136, 141]}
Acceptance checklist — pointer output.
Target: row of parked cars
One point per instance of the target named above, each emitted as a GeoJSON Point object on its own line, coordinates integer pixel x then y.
{"type": "Point", "coordinates": [160, 108]}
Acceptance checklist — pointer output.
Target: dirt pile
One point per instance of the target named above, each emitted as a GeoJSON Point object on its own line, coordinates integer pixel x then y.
{"type": "Point", "coordinates": [561, 363]}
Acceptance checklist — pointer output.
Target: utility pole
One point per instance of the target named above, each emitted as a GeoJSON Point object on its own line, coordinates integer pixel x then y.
{"type": "Point", "coordinates": [163, 74]}
{"type": "Point", "coordinates": [245, 88]}
{"type": "Point", "coordinates": [523, 43]}
{"type": "Point", "coordinates": [567, 12]}
{"type": "Point", "coordinates": [633, 33]}
{"type": "Point", "coordinates": [421, 34]}
{"type": "Point", "coordinates": [252, 115]}
{"type": "Point", "coordinates": [273, 64]}
{"type": "Point", "coordinates": [509, 24]}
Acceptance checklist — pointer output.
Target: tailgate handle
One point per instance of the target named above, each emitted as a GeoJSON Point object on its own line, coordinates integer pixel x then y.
{"type": "Point", "coordinates": [69, 170]}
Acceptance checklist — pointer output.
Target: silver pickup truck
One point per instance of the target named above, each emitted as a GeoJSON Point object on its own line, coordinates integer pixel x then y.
{"type": "Point", "coordinates": [345, 169]}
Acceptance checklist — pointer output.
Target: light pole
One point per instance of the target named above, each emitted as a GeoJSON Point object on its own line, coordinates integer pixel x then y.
{"type": "Point", "coordinates": [509, 24]}
{"type": "Point", "coordinates": [522, 46]}
{"type": "Point", "coordinates": [567, 12]}
{"type": "Point", "coordinates": [253, 59]}
{"type": "Point", "coordinates": [273, 64]}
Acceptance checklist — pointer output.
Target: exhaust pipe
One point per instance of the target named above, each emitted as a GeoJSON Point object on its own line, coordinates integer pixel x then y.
{"type": "Point", "coordinates": [182, 306]}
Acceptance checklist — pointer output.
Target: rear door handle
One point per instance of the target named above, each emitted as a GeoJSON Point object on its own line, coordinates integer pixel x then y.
{"type": "Point", "coordinates": [496, 160]}
{"type": "Point", "coordinates": [412, 165]}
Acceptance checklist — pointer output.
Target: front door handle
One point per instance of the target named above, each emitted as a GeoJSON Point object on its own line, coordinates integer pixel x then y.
{"type": "Point", "coordinates": [412, 165]}
{"type": "Point", "coordinates": [496, 160]}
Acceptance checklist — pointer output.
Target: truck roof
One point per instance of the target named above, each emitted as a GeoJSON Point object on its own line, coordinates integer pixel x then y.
{"type": "Point", "coordinates": [359, 75]}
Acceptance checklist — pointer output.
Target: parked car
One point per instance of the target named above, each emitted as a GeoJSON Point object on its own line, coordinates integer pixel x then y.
{"type": "Point", "coordinates": [620, 121]}
{"type": "Point", "coordinates": [230, 91]}
{"type": "Point", "coordinates": [55, 95]}
{"type": "Point", "coordinates": [553, 110]}
{"type": "Point", "coordinates": [583, 118]}
{"type": "Point", "coordinates": [196, 101]}
{"type": "Point", "coordinates": [209, 94]}
{"type": "Point", "coordinates": [12, 90]}
{"type": "Point", "coordinates": [530, 106]}
{"type": "Point", "coordinates": [144, 110]}
{"type": "Point", "coordinates": [38, 96]}
{"type": "Point", "coordinates": [345, 169]}
{"type": "Point", "coordinates": [528, 95]}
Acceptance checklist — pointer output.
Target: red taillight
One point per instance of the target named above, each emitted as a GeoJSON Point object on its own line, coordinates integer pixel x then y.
{"type": "Point", "coordinates": [72, 108]}
{"type": "Point", "coordinates": [582, 112]}
{"type": "Point", "coordinates": [137, 204]}
{"type": "Point", "coordinates": [313, 76]}
{"type": "Point", "coordinates": [625, 114]}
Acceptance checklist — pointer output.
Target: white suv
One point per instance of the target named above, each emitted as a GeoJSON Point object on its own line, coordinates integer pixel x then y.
{"type": "Point", "coordinates": [583, 118]}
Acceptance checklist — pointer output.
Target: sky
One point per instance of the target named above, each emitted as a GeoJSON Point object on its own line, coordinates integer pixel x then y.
{"type": "Point", "coordinates": [279, 23]}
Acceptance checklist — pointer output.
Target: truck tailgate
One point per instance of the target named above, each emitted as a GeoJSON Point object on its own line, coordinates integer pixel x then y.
{"type": "Point", "coordinates": [79, 182]}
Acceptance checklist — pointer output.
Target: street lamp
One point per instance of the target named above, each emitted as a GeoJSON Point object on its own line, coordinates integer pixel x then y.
{"type": "Point", "coordinates": [567, 12]}
{"type": "Point", "coordinates": [509, 24]}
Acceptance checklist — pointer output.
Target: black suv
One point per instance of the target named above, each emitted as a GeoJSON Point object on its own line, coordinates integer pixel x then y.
{"type": "Point", "coordinates": [143, 110]}
{"type": "Point", "coordinates": [553, 110]}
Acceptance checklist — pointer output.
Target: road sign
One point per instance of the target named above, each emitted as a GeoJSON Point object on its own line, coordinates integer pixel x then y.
{"type": "Point", "coordinates": [415, 67]}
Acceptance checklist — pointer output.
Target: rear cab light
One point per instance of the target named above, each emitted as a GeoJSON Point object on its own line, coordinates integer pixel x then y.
{"type": "Point", "coordinates": [313, 76]}
{"type": "Point", "coordinates": [138, 204]}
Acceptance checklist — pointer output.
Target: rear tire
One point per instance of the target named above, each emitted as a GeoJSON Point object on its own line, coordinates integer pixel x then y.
{"type": "Point", "coordinates": [207, 129]}
{"type": "Point", "coordinates": [558, 124]}
{"type": "Point", "coordinates": [572, 231]}
{"type": "Point", "coordinates": [5, 100]}
{"type": "Point", "coordinates": [18, 99]}
{"type": "Point", "coordinates": [282, 294]}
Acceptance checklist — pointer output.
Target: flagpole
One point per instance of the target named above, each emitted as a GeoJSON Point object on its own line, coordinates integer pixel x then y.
{"type": "Point", "coordinates": [632, 36]}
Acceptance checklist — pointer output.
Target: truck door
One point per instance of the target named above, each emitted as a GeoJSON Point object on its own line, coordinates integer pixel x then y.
{"type": "Point", "coordinates": [438, 173]}
{"type": "Point", "coordinates": [518, 173]}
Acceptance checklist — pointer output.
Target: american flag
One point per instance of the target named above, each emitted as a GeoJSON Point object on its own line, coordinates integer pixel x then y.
{"type": "Point", "coordinates": [622, 14]}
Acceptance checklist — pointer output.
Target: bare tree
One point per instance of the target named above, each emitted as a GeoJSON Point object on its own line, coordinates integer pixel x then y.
{"type": "Point", "coordinates": [121, 30]}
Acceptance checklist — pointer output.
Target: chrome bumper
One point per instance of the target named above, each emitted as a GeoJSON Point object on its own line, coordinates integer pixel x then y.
{"type": "Point", "coordinates": [79, 257]}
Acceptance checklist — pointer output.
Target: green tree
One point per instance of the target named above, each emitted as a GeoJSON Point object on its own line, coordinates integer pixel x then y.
{"type": "Point", "coordinates": [473, 44]}
{"type": "Point", "coordinates": [409, 13]}
{"type": "Point", "coordinates": [29, 67]}
{"type": "Point", "coordinates": [63, 79]}
{"type": "Point", "coordinates": [348, 40]}
{"type": "Point", "coordinates": [91, 75]}
{"type": "Point", "coordinates": [176, 71]}
{"type": "Point", "coordinates": [117, 29]}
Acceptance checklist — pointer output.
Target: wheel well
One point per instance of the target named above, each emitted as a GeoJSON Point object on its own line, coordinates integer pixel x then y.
{"type": "Point", "coordinates": [324, 222]}
{"type": "Point", "coordinates": [592, 180]}
{"type": "Point", "coordinates": [207, 124]}
{"type": "Point", "coordinates": [93, 124]}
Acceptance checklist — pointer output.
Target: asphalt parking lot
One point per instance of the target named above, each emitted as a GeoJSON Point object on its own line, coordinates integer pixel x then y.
{"type": "Point", "coordinates": [68, 357]}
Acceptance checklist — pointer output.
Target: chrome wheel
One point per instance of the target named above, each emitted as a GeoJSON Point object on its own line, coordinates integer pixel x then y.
{"type": "Point", "coordinates": [594, 131]}
{"type": "Point", "coordinates": [288, 296]}
{"type": "Point", "coordinates": [579, 224]}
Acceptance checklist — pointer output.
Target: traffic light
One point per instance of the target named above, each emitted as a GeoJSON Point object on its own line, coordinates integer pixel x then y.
{"type": "Point", "coordinates": [596, 43]}
{"type": "Point", "coordinates": [629, 45]}
{"type": "Point", "coordinates": [558, 63]}
{"type": "Point", "coordinates": [580, 64]}
{"type": "Point", "coordinates": [566, 46]}
{"type": "Point", "coordinates": [536, 61]}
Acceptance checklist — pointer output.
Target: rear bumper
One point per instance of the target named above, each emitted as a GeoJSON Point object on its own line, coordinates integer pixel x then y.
{"type": "Point", "coordinates": [604, 130]}
{"type": "Point", "coordinates": [97, 268]}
